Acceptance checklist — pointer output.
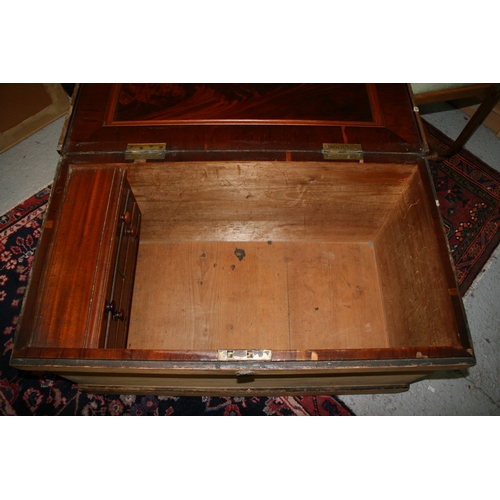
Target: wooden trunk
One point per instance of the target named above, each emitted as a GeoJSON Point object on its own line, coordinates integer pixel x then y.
{"type": "Point", "coordinates": [240, 259]}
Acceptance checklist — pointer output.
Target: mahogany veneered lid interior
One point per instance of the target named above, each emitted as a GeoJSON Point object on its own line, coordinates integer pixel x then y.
{"type": "Point", "coordinates": [243, 121]}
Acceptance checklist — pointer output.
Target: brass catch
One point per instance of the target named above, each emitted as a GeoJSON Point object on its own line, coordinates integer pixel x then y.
{"type": "Point", "coordinates": [342, 151]}
{"type": "Point", "coordinates": [244, 355]}
{"type": "Point", "coordinates": [156, 151]}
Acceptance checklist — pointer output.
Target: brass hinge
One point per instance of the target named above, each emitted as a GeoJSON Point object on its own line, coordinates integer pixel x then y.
{"type": "Point", "coordinates": [156, 151]}
{"type": "Point", "coordinates": [244, 355]}
{"type": "Point", "coordinates": [342, 151]}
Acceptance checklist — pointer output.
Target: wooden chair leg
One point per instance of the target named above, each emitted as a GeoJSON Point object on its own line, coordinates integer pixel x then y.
{"type": "Point", "coordinates": [477, 119]}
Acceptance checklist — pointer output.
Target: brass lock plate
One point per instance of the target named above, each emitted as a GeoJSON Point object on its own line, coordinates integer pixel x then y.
{"type": "Point", "coordinates": [244, 355]}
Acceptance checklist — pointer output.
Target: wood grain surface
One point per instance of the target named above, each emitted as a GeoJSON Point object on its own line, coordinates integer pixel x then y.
{"type": "Point", "coordinates": [210, 295]}
{"type": "Point", "coordinates": [416, 290]}
{"type": "Point", "coordinates": [213, 103]}
{"type": "Point", "coordinates": [69, 309]}
{"type": "Point", "coordinates": [380, 117]}
{"type": "Point", "coordinates": [279, 201]}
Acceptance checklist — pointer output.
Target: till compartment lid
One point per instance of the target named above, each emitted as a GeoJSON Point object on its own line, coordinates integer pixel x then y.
{"type": "Point", "coordinates": [198, 122]}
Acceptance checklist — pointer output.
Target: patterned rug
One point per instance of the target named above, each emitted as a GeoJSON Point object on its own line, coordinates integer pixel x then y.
{"type": "Point", "coordinates": [469, 195]}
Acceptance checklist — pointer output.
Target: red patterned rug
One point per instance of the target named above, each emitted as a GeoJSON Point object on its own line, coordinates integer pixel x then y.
{"type": "Point", "coordinates": [469, 196]}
